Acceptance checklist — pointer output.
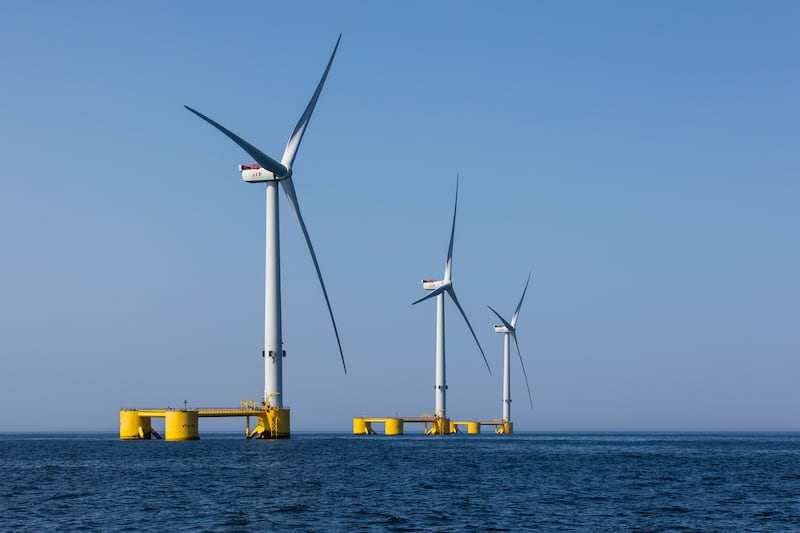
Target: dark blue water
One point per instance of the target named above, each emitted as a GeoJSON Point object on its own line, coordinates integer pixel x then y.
{"type": "Point", "coordinates": [327, 482]}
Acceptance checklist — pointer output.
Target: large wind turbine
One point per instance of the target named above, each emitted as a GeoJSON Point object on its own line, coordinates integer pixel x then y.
{"type": "Point", "coordinates": [510, 330]}
{"type": "Point", "coordinates": [439, 289]}
{"type": "Point", "coordinates": [272, 172]}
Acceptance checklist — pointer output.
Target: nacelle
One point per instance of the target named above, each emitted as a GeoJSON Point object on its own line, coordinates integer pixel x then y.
{"type": "Point", "coordinates": [431, 284]}
{"type": "Point", "coordinates": [501, 329]}
{"type": "Point", "coordinates": [255, 174]}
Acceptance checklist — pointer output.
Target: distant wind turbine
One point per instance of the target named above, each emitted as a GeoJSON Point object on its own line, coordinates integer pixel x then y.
{"type": "Point", "coordinates": [510, 330]}
{"type": "Point", "coordinates": [272, 172]}
{"type": "Point", "coordinates": [439, 289]}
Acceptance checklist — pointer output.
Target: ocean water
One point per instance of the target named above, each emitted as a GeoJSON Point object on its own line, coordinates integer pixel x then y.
{"type": "Point", "coordinates": [341, 482]}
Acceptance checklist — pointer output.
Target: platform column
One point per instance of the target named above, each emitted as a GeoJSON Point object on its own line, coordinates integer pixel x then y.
{"type": "Point", "coordinates": [181, 425]}
{"type": "Point", "coordinates": [133, 426]}
{"type": "Point", "coordinates": [278, 418]}
{"type": "Point", "coordinates": [362, 427]}
{"type": "Point", "coordinates": [394, 426]}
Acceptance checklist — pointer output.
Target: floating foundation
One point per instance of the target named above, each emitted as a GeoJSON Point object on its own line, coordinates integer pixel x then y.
{"type": "Point", "coordinates": [432, 425]}
{"type": "Point", "coordinates": [183, 424]}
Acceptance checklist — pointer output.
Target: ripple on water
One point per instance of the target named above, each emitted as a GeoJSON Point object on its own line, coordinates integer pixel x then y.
{"type": "Point", "coordinates": [344, 483]}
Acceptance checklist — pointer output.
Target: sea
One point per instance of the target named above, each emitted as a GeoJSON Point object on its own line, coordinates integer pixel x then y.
{"type": "Point", "coordinates": [342, 482]}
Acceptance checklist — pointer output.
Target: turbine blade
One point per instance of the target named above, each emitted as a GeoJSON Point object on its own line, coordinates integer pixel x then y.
{"type": "Point", "coordinates": [452, 294]}
{"type": "Point", "coordinates": [261, 158]}
{"type": "Point", "coordinates": [503, 320]}
{"type": "Point", "coordinates": [297, 135]}
{"type": "Point", "coordinates": [436, 292]}
{"type": "Point", "coordinates": [288, 188]}
{"type": "Point", "coordinates": [522, 364]}
{"type": "Point", "coordinates": [516, 312]}
{"type": "Point", "coordinates": [448, 266]}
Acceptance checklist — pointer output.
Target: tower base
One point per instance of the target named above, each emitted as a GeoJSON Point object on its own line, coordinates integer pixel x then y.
{"type": "Point", "coordinates": [273, 423]}
{"type": "Point", "coordinates": [439, 426]}
{"type": "Point", "coordinates": [505, 428]}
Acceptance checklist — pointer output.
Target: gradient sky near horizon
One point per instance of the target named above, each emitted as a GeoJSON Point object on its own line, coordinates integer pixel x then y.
{"type": "Point", "coordinates": [640, 158]}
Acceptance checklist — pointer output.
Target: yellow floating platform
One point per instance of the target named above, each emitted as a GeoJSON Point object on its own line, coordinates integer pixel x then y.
{"type": "Point", "coordinates": [432, 425]}
{"type": "Point", "coordinates": [183, 424]}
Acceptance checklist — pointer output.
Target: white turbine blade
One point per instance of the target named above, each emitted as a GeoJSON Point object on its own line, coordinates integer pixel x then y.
{"type": "Point", "coordinates": [516, 312]}
{"type": "Point", "coordinates": [297, 135]}
{"type": "Point", "coordinates": [527, 384]}
{"type": "Point", "coordinates": [448, 266]}
{"type": "Point", "coordinates": [261, 158]}
{"type": "Point", "coordinates": [452, 294]}
{"type": "Point", "coordinates": [503, 320]}
{"type": "Point", "coordinates": [288, 188]}
{"type": "Point", "coordinates": [436, 292]}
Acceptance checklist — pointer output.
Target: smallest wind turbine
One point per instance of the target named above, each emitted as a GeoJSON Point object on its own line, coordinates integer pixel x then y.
{"type": "Point", "coordinates": [509, 329]}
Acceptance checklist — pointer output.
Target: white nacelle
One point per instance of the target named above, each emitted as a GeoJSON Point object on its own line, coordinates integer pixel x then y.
{"type": "Point", "coordinates": [501, 329]}
{"type": "Point", "coordinates": [255, 174]}
{"type": "Point", "coordinates": [431, 284]}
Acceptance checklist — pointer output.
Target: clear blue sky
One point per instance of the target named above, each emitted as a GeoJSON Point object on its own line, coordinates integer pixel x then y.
{"type": "Point", "coordinates": [640, 158]}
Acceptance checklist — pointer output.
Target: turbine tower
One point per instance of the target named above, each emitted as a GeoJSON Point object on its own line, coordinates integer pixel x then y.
{"type": "Point", "coordinates": [271, 172]}
{"type": "Point", "coordinates": [439, 288]}
{"type": "Point", "coordinates": [510, 330]}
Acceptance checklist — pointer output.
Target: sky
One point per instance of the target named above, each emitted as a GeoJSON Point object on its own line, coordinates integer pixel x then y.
{"type": "Point", "coordinates": [639, 158]}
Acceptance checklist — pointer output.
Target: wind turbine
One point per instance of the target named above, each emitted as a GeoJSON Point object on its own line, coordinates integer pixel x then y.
{"type": "Point", "coordinates": [510, 330]}
{"type": "Point", "coordinates": [268, 170]}
{"type": "Point", "coordinates": [439, 289]}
